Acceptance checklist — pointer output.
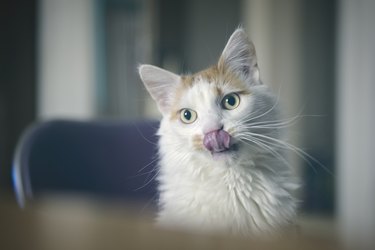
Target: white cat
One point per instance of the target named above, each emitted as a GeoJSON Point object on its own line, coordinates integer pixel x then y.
{"type": "Point", "coordinates": [222, 165]}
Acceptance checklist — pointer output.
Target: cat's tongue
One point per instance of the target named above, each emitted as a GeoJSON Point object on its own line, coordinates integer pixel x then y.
{"type": "Point", "coordinates": [216, 141]}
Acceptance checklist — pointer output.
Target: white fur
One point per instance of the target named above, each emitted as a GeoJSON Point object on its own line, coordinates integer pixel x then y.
{"type": "Point", "coordinates": [247, 192]}
{"type": "Point", "coordinates": [247, 195]}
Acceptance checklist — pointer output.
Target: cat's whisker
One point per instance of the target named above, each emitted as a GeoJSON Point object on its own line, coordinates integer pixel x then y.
{"type": "Point", "coordinates": [156, 169]}
{"type": "Point", "coordinates": [269, 126]}
{"type": "Point", "coordinates": [277, 143]}
{"type": "Point", "coordinates": [247, 117]}
{"type": "Point", "coordinates": [276, 124]}
{"type": "Point", "coordinates": [281, 122]}
{"type": "Point", "coordinates": [144, 137]}
{"type": "Point", "coordinates": [150, 201]}
{"type": "Point", "coordinates": [266, 147]}
{"type": "Point", "coordinates": [139, 173]}
{"type": "Point", "coordinates": [291, 120]}
{"type": "Point", "coordinates": [305, 156]}
{"type": "Point", "coordinates": [142, 174]}
{"type": "Point", "coordinates": [150, 163]}
{"type": "Point", "coordinates": [281, 144]}
{"type": "Point", "coordinates": [149, 181]}
{"type": "Point", "coordinates": [296, 117]}
{"type": "Point", "coordinates": [268, 111]}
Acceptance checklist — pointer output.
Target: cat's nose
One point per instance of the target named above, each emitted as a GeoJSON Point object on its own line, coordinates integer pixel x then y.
{"type": "Point", "coordinates": [217, 141]}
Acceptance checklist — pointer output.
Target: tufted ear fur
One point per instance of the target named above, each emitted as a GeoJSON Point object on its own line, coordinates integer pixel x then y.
{"type": "Point", "coordinates": [160, 84]}
{"type": "Point", "coordinates": [240, 57]}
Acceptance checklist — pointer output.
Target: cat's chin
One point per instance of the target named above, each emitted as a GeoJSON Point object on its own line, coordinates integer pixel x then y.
{"type": "Point", "coordinates": [222, 156]}
{"type": "Point", "coordinates": [226, 155]}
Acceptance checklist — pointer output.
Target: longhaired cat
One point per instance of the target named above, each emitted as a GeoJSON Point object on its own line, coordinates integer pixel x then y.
{"type": "Point", "coordinates": [221, 167]}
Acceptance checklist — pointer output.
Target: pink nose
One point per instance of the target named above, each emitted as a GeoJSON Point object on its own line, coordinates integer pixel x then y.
{"type": "Point", "coordinates": [217, 140]}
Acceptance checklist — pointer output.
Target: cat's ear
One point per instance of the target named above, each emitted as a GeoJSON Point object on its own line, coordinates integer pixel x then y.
{"type": "Point", "coordinates": [160, 84]}
{"type": "Point", "coordinates": [239, 56]}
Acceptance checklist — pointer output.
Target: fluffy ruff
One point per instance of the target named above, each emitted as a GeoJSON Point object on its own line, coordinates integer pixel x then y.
{"type": "Point", "coordinates": [250, 198]}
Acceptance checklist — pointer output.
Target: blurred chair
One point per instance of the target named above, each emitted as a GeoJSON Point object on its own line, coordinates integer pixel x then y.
{"type": "Point", "coordinates": [99, 158]}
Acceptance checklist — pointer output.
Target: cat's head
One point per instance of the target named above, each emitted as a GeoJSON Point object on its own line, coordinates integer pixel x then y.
{"type": "Point", "coordinates": [209, 112]}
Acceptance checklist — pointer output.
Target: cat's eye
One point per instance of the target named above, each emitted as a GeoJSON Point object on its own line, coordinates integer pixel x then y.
{"type": "Point", "coordinates": [230, 101]}
{"type": "Point", "coordinates": [188, 116]}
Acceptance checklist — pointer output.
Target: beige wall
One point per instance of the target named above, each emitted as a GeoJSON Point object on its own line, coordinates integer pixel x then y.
{"type": "Point", "coordinates": [356, 122]}
{"type": "Point", "coordinates": [66, 76]}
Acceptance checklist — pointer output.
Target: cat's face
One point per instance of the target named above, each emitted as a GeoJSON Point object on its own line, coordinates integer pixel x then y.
{"type": "Point", "coordinates": [208, 113]}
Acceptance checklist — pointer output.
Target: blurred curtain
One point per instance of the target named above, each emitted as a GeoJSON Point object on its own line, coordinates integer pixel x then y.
{"type": "Point", "coordinates": [129, 34]}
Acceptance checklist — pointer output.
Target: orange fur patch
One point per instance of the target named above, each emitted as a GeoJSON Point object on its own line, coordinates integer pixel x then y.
{"type": "Point", "coordinates": [231, 131]}
{"type": "Point", "coordinates": [218, 75]}
{"type": "Point", "coordinates": [197, 142]}
{"type": "Point", "coordinates": [175, 115]}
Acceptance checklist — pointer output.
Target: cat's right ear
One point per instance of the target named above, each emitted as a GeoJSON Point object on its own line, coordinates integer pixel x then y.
{"type": "Point", "coordinates": [159, 83]}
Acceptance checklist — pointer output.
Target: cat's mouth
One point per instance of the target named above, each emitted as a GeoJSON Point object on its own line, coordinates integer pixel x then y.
{"type": "Point", "coordinates": [225, 154]}
{"type": "Point", "coordinates": [219, 143]}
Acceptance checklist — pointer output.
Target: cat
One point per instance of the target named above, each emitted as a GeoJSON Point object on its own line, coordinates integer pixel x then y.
{"type": "Point", "coordinates": [222, 165]}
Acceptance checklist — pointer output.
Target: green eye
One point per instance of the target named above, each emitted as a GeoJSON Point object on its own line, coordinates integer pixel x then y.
{"type": "Point", "coordinates": [188, 116]}
{"type": "Point", "coordinates": [230, 101]}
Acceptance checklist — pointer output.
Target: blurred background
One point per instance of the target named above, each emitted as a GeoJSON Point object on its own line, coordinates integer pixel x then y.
{"type": "Point", "coordinates": [77, 59]}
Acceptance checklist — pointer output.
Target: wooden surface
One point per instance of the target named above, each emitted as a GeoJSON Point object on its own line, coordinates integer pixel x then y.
{"type": "Point", "coordinates": [72, 223]}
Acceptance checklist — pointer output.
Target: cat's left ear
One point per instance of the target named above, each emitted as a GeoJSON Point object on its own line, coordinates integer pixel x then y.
{"type": "Point", "coordinates": [239, 56]}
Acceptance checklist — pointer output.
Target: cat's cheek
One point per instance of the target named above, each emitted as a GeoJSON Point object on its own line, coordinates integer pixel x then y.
{"type": "Point", "coordinates": [247, 102]}
{"type": "Point", "coordinates": [196, 143]}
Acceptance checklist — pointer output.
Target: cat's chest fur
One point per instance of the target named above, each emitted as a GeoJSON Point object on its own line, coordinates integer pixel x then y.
{"type": "Point", "coordinates": [241, 199]}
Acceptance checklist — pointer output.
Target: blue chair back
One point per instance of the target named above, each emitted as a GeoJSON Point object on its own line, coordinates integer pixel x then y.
{"type": "Point", "coordinates": [100, 158]}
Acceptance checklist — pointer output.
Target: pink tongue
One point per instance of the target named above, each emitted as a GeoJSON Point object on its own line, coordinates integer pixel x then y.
{"type": "Point", "coordinates": [216, 141]}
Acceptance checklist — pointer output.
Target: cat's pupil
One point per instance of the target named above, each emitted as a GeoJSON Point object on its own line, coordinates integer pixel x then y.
{"type": "Point", "coordinates": [231, 100]}
{"type": "Point", "coordinates": [187, 115]}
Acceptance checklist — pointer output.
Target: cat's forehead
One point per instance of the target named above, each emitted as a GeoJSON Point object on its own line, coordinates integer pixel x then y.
{"type": "Point", "coordinates": [206, 86]}
{"type": "Point", "coordinates": [220, 80]}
